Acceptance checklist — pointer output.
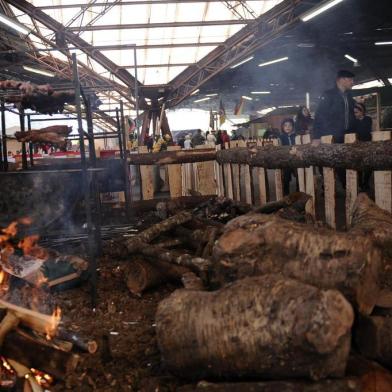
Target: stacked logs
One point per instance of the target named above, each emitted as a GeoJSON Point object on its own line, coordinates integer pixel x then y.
{"type": "Point", "coordinates": [270, 296]}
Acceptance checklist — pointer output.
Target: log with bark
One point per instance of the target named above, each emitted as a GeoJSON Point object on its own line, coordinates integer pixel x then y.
{"type": "Point", "coordinates": [143, 275]}
{"type": "Point", "coordinates": [356, 156]}
{"type": "Point", "coordinates": [172, 157]}
{"type": "Point", "coordinates": [257, 244]}
{"type": "Point", "coordinates": [373, 337]}
{"type": "Point", "coordinates": [371, 221]}
{"type": "Point", "coordinates": [265, 326]}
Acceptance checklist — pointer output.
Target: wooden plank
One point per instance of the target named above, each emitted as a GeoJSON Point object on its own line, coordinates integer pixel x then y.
{"type": "Point", "coordinates": [262, 180]}
{"type": "Point", "coordinates": [228, 177]}
{"type": "Point", "coordinates": [146, 177]}
{"type": "Point", "coordinates": [204, 177]}
{"type": "Point", "coordinates": [301, 171]}
{"type": "Point", "coordinates": [329, 190]}
{"type": "Point", "coordinates": [236, 175]}
{"type": "Point", "coordinates": [383, 179]}
{"type": "Point", "coordinates": [241, 175]}
{"type": "Point", "coordinates": [351, 183]}
{"type": "Point", "coordinates": [248, 184]}
{"type": "Point", "coordinates": [174, 173]}
{"type": "Point", "coordinates": [186, 178]}
{"type": "Point", "coordinates": [219, 176]}
{"type": "Point", "coordinates": [278, 174]}
{"type": "Point", "coordinates": [310, 186]}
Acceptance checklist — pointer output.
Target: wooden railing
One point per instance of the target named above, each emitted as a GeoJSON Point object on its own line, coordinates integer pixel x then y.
{"type": "Point", "coordinates": [258, 185]}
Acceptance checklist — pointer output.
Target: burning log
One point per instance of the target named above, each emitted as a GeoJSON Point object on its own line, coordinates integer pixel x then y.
{"type": "Point", "coordinates": [356, 156]}
{"type": "Point", "coordinates": [259, 244]}
{"type": "Point", "coordinates": [257, 327]}
{"type": "Point", "coordinates": [42, 355]}
{"type": "Point", "coordinates": [143, 275]}
{"type": "Point", "coordinates": [371, 221]}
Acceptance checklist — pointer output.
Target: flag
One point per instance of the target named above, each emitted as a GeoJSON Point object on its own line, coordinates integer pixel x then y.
{"type": "Point", "coordinates": [238, 108]}
{"type": "Point", "coordinates": [222, 113]}
{"type": "Point", "coordinates": [212, 122]}
{"type": "Point", "coordinates": [131, 124]}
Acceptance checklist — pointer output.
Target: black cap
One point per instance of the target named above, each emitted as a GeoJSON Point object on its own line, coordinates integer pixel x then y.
{"type": "Point", "coordinates": [344, 74]}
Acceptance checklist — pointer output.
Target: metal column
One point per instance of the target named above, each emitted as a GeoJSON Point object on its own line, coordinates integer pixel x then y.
{"type": "Point", "coordinates": [22, 129]}
{"type": "Point", "coordinates": [4, 137]}
{"type": "Point", "coordinates": [120, 144]}
{"type": "Point", "coordinates": [30, 143]}
{"type": "Point", "coordinates": [127, 184]}
{"type": "Point", "coordinates": [86, 186]}
{"type": "Point", "coordinates": [136, 96]}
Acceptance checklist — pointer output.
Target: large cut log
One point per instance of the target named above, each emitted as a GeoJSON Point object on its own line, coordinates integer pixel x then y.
{"type": "Point", "coordinates": [373, 336]}
{"type": "Point", "coordinates": [371, 221]}
{"type": "Point", "coordinates": [172, 157]}
{"type": "Point", "coordinates": [258, 244]}
{"type": "Point", "coordinates": [356, 156]}
{"type": "Point", "coordinates": [257, 327]}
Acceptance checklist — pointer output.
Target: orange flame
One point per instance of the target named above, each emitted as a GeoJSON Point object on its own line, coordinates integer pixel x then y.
{"type": "Point", "coordinates": [51, 329]}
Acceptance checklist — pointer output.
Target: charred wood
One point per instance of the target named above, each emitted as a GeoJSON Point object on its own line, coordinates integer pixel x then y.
{"type": "Point", "coordinates": [172, 157]}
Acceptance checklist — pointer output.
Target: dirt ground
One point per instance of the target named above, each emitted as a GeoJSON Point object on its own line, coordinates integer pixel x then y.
{"type": "Point", "coordinates": [123, 325]}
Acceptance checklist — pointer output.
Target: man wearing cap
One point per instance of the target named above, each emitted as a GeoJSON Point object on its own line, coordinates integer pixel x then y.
{"type": "Point", "coordinates": [335, 113]}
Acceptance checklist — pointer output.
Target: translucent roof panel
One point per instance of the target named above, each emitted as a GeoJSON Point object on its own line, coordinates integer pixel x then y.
{"type": "Point", "coordinates": [159, 57]}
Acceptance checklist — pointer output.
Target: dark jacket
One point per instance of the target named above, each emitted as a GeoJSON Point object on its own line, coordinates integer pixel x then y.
{"type": "Point", "coordinates": [363, 128]}
{"type": "Point", "coordinates": [287, 140]}
{"type": "Point", "coordinates": [334, 115]}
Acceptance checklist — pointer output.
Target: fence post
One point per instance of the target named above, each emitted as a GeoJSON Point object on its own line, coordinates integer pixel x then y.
{"type": "Point", "coordinates": [301, 171]}
{"type": "Point", "coordinates": [351, 183]}
{"type": "Point", "coordinates": [263, 181]}
{"type": "Point", "coordinates": [219, 176]}
{"type": "Point", "coordinates": [174, 173]}
{"type": "Point", "coordinates": [278, 177]}
{"type": "Point", "coordinates": [329, 190]}
{"type": "Point", "coordinates": [382, 179]}
{"type": "Point", "coordinates": [146, 177]}
{"type": "Point", "coordinates": [310, 186]}
{"type": "Point", "coordinates": [236, 175]}
{"type": "Point", "coordinates": [228, 177]}
{"type": "Point", "coordinates": [204, 176]}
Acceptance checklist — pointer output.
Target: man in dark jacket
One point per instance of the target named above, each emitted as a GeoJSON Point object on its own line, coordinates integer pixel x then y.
{"type": "Point", "coordinates": [335, 113]}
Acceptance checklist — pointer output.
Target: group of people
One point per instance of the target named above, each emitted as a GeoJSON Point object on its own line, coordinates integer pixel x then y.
{"type": "Point", "coordinates": [337, 114]}
{"type": "Point", "coordinates": [211, 139]}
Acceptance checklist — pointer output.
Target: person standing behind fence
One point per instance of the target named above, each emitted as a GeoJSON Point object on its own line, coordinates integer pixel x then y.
{"type": "Point", "coordinates": [303, 121]}
{"type": "Point", "coordinates": [335, 112]}
{"type": "Point", "coordinates": [287, 138]}
{"type": "Point", "coordinates": [188, 142]}
{"type": "Point", "coordinates": [211, 139]}
{"type": "Point", "coordinates": [363, 128]}
{"type": "Point", "coordinates": [198, 139]}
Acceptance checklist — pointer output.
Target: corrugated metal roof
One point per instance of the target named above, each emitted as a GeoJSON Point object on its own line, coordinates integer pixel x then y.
{"type": "Point", "coordinates": [157, 65]}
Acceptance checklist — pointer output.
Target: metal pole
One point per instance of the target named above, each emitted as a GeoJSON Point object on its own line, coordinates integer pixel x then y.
{"type": "Point", "coordinates": [90, 131]}
{"type": "Point", "coordinates": [120, 144]}
{"type": "Point", "coordinates": [307, 99]}
{"type": "Point", "coordinates": [22, 129]}
{"type": "Point", "coordinates": [85, 184]}
{"type": "Point", "coordinates": [127, 184]}
{"type": "Point", "coordinates": [136, 95]}
{"type": "Point", "coordinates": [30, 143]}
{"type": "Point", "coordinates": [4, 137]}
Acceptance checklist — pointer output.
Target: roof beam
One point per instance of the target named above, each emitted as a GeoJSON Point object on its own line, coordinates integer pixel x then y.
{"type": "Point", "coordinates": [136, 2]}
{"type": "Point", "coordinates": [245, 42]}
{"type": "Point", "coordinates": [74, 39]}
{"type": "Point", "coordinates": [161, 25]}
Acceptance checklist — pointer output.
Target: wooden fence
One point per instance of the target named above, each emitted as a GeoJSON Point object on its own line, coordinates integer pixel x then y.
{"type": "Point", "coordinates": [258, 185]}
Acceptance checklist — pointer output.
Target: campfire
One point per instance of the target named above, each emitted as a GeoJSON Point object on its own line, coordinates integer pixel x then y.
{"type": "Point", "coordinates": [35, 348]}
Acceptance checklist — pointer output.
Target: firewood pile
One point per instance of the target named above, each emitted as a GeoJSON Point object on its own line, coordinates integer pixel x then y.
{"type": "Point", "coordinates": [271, 301]}
{"type": "Point", "coordinates": [35, 348]}
{"type": "Point", "coordinates": [41, 98]}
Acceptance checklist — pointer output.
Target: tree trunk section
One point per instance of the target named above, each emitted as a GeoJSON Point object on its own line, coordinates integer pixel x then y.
{"type": "Point", "coordinates": [257, 327]}
{"type": "Point", "coordinates": [356, 156]}
{"type": "Point", "coordinates": [371, 221]}
{"type": "Point", "coordinates": [259, 244]}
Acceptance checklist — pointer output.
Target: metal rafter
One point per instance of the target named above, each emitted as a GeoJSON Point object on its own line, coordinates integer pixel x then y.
{"type": "Point", "coordinates": [240, 9]}
{"type": "Point", "coordinates": [131, 26]}
{"type": "Point", "coordinates": [74, 39]}
{"type": "Point", "coordinates": [250, 38]}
